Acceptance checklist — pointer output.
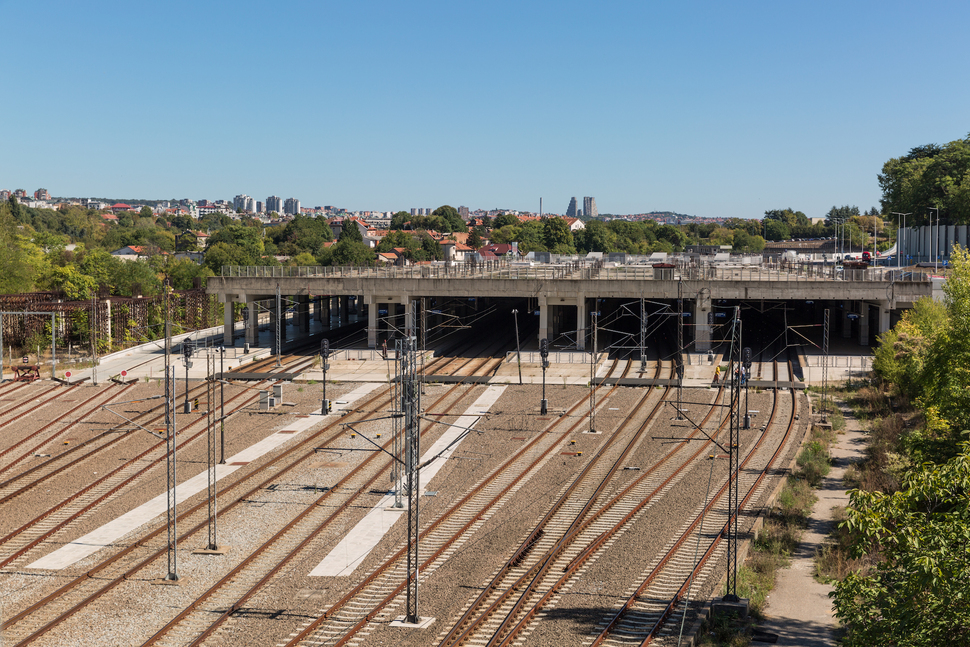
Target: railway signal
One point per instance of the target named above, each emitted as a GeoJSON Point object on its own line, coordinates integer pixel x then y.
{"type": "Point", "coordinates": [544, 353]}
{"type": "Point", "coordinates": [324, 358]}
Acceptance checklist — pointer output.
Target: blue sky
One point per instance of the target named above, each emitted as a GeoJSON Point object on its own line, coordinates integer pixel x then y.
{"type": "Point", "coordinates": [711, 109]}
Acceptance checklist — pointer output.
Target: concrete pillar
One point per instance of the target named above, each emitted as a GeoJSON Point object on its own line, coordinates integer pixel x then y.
{"type": "Point", "coordinates": [408, 311]}
{"type": "Point", "coordinates": [303, 313]}
{"type": "Point", "coordinates": [702, 329]}
{"type": "Point", "coordinates": [582, 316]}
{"type": "Point", "coordinates": [343, 316]}
{"type": "Point", "coordinates": [371, 319]}
{"type": "Point", "coordinates": [252, 324]}
{"type": "Point", "coordinates": [273, 321]}
{"type": "Point", "coordinates": [227, 322]}
{"type": "Point", "coordinates": [543, 318]}
{"type": "Point", "coordinates": [863, 323]}
{"type": "Point", "coordinates": [885, 309]}
{"type": "Point", "coordinates": [846, 322]}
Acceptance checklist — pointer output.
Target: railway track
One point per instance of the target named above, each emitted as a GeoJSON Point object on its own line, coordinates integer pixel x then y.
{"type": "Point", "coordinates": [524, 588]}
{"type": "Point", "coordinates": [35, 621]}
{"type": "Point", "coordinates": [644, 616]}
{"type": "Point", "coordinates": [376, 597]}
{"type": "Point", "coordinates": [15, 546]}
{"type": "Point", "coordinates": [208, 613]}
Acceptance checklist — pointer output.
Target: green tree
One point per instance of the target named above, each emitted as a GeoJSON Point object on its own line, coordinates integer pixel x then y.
{"type": "Point", "coordinates": [597, 236]}
{"type": "Point", "coordinates": [399, 220]}
{"type": "Point", "coordinates": [450, 216]}
{"type": "Point", "coordinates": [17, 272]}
{"type": "Point", "coordinates": [475, 238]}
{"type": "Point", "coordinates": [350, 233]}
{"type": "Point", "coordinates": [248, 242]}
{"type": "Point", "coordinates": [505, 220]}
{"type": "Point", "coordinates": [557, 237]}
{"type": "Point", "coordinates": [929, 176]}
{"type": "Point", "coordinates": [351, 253]}
{"type": "Point", "coordinates": [917, 595]}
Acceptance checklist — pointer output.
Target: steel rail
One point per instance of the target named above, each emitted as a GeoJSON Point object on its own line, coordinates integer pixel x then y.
{"type": "Point", "coordinates": [16, 534]}
{"type": "Point", "coordinates": [30, 452]}
{"type": "Point", "coordinates": [573, 566]}
{"type": "Point", "coordinates": [466, 625]}
{"type": "Point", "coordinates": [92, 575]}
{"type": "Point", "coordinates": [658, 569]}
{"type": "Point", "coordinates": [233, 575]}
{"type": "Point", "coordinates": [460, 505]}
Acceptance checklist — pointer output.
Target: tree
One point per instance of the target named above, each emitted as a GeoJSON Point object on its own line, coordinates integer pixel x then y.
{"type": "Point", "coordinates": [450, 216]}
{"type": "Point", "coordinates": [17, 273]}
{"type": "Point", "coordinates": [475, 238]}
{"type": "Point", "coordinates": [929, 176]}
{"type": "Point", "coordinates": [504, 220]}
{"type": "Point", "coordinates": [399, 220]}
{"type": "Point", "coordinates": [351, 253]}
{"type": "Point", "coordinates": [595, 237]}
{"type": "Point", "coordinates": [247, 240]}
{"type": "Point", "coordinates": [557, 237]}
{"type": "Point", "coordinates": [350, 232]}
{"type": "Point", "coordinates": [777, 230]}
{"type": "Point", "coordinates": [917, 594]}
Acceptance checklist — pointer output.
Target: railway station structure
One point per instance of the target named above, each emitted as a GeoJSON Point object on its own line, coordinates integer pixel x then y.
{"type": "Point", "coordinates": [863, 302]}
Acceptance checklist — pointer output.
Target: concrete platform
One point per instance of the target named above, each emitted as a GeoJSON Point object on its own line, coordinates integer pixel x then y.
{"type": "Point", "coordinates": [347, 555]}
{"type": "Point", "coordinates": [112, 531]}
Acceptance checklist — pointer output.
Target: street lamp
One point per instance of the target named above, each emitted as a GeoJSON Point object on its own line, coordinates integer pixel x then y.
{"type": "Point", "coordinates": [936, 256]}
{"type": "Point", "coordinates": [899, 234]}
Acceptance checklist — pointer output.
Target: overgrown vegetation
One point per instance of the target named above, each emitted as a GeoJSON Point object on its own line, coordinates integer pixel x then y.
{"type": "Point", "coordinates": [901, 556]}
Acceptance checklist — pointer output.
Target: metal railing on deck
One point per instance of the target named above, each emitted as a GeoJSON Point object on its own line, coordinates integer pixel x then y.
{"type": "Point", "coordinates": [580, 271]}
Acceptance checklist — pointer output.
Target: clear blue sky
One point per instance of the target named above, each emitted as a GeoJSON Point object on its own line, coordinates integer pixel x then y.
{"type": "Point", "coordinates": [705, 108]}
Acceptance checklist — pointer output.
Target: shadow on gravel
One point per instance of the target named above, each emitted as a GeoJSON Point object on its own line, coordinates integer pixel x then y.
{"type": "Point", "coordinates": [799, 633]}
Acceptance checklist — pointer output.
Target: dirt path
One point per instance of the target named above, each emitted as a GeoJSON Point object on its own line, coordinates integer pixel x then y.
{"type": "Point", "coordinates": [799, 609]}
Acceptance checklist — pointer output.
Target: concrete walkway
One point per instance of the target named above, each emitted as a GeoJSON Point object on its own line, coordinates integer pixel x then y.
{"type": "Point", "coordinates": [799, 609]}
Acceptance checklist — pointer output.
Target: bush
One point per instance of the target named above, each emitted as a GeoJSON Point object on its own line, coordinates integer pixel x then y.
{"type": "Point", "coordinates": [813, 463]}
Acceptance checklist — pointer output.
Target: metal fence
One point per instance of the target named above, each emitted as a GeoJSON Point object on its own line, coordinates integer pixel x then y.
{"type": "Point", "coordinates": [581, 271]}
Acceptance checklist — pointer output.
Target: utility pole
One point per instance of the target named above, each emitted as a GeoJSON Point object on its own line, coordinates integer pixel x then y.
{"type": "Point", "coordinates": [825, 362]}
{"type": "Point", "coordinates": [734, 441]}
{"type": "Point", "coordinates": [643, 336]}
{"type": "Point", "coordinates": [279, 345]}
{"type": "Point", "coordinates": [679, 358]}
{"type": "Point", "coordinates": [222, 405]}
{"type": "Point", "coordinates": [592, 381]}
{"type": "Point", "coordinates": [411, 407]}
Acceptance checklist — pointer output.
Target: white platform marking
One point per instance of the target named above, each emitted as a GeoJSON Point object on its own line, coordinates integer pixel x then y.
{"type": "Point", "coordinates": [115, 530]}
{"type": "Point", "coordinates": [359, 542]}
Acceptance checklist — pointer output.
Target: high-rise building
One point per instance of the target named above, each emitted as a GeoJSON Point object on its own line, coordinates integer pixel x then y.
{"type": "Point", "coordinates": [274, 203]}
{"type": "Point", "coordinates": [291, 206]}
{"type": "Point", "coordinates": [589, 207]}
{"type": "Point", "coordinates": [463, 212]}
{"type": "Point", "coordinates": [42, 194]}
{"type": "Point", "coordinates": [259, 207]}
{"type": "Point", "coordinates": [244, 203]}
{"type": "Point", "coordinates": [571, 209]}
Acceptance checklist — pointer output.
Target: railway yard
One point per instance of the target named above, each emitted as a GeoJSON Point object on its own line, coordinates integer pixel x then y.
{"type": "Point", "coordinates": [535, 529]}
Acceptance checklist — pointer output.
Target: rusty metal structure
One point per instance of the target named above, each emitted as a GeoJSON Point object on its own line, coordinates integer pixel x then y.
{"type": "Point", "coordinates": [104, 321]}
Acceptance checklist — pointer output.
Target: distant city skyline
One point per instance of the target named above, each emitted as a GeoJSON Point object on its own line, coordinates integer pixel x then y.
{"type": "Point", "coordinates": [710, 109]}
